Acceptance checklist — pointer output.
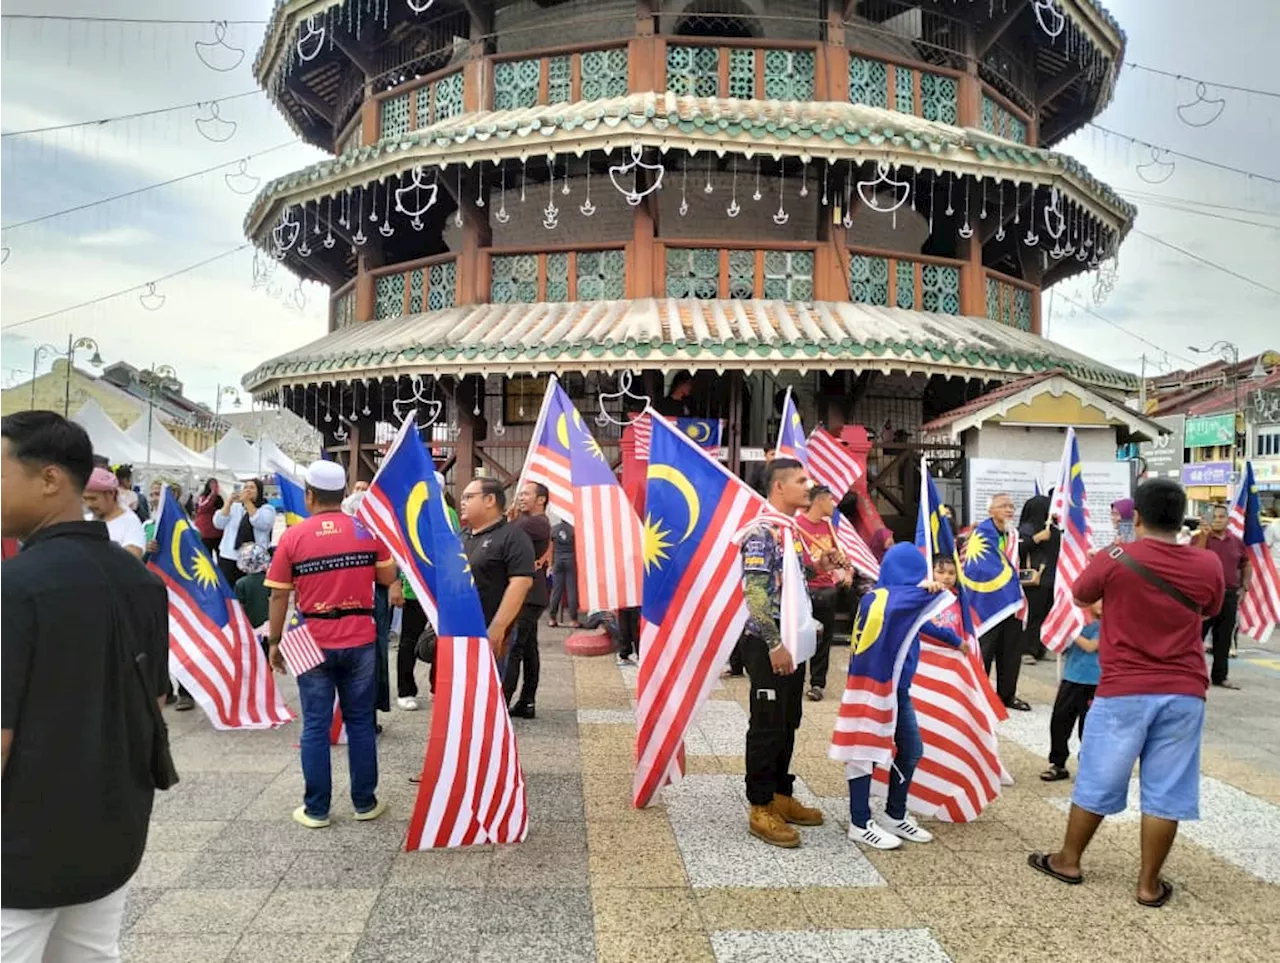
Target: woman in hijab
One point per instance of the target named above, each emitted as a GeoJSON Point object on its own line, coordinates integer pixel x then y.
{"type": "Point", "coordinates": [881, 542]}
{"type": "Point", "coordinates": [1038, 542]}
{"type": "Point", "coordinates": [1122, 520]}
{"type": "Point", "coordinates": [245, 518]}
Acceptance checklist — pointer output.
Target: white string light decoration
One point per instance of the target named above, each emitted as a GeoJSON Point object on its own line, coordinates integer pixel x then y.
{"type": "Point", "coordinates": [633, 165]}
{"type": "Point", "coordinates": [219, 42]}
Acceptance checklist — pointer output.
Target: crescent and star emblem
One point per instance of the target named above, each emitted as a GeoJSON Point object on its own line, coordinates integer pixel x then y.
{"type": "Point", "coordinates": [868, 632]}
{"type": "Point", "coordinates": [699, 431]}
{"type": "Point", "coordinates": [175, 549]}
{"type": "Point", "coordinates": [681, 484]}
{"type": "Point", "coordinates": [417, 500]}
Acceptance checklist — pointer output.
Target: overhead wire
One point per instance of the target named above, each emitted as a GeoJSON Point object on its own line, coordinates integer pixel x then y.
{"type": "Point", "coordinates": [1190, 157]}
{"type": "Point", "coordinates": [119, 117]}
{"type": "Point", "coordinates": [137, 287]}
{"type": "Point", "coordinates": [1205, 261]}
{"type": "Point", "coordinates": [1119, 327]}
{"type": "Point", "coordinates": [1199, 80]}
{"type": "Point", "coordinates": [142, 190]}
{"type": "Point", "coordinates": [89, 18]}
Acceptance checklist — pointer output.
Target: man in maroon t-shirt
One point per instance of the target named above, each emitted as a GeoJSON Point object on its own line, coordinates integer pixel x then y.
{"type": "Point", "coordinates": [826, 567]}
{"type": "Point", "coordinates": [1149, 704]}
{"type": "Point", "coordinates": [1236, 571]}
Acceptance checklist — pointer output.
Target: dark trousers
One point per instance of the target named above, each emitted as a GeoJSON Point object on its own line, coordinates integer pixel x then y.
{"type": "Point", "coordinates": [1223, 627]}
{"type": "Point", "coordinates": [211, 544]}
{"type": "Point", "coordinates": [775, 717]}
{"type": "Point", "coordinates": [564, 588]}
{"type": "Point", "coordinates": [824, 611]}
{"type": "Point", "coordinates": [230, 568]}
{"type": "Point", "coordinates": [524, 656]}
{"type": "Point", "coordinates": [1001, 646]}
{"type": "Point", "coordinates": [736, 664]}
{"type": "Point", "coordinates": [1069, 709]}
{"type": "Point", "coordinates": [382, 648]}
{"type": "Point", "coordinates": [412, 621]}
{"type": "Point", "coordinates": [1039, 601]}
{"type": "Point", "coordinates": [628, 632]}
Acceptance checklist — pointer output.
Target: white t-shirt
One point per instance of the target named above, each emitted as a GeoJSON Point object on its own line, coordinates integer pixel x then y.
{"type": "Point", "coordinates": [126, 531]}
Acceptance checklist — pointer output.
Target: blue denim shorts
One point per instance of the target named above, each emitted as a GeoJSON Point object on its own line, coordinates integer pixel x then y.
{"type": "Point", "coordinates": [1163, 731]}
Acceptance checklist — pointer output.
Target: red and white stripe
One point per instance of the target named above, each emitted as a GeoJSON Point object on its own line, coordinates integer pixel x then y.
{"type": "Point", "coordinates": [642, 432]}
{"type": "Point", "coordinates": [960, 772]}
{"type": "Point", "coordinates": [379, 517]}
{"type": "Point", "coordinates": [681, 658]}
{"type": "Point", "coordinates": [300, 650]}
{"type": "Point", "coordinates": [1259, 608]}
{"type": "Point", "coordinates": [1066, 620]}
{"type": "Point", "coordinates": [609, 548]}
{"type": "Point", "coordinates": [855, 549]}
{"type": "Point", "coordinates": [865, 724]}
{"type": "Point", "coordinates": [337, 728]}
{"type": "Point", "coordinates": [831, 463]}
{"type": "Point", "coordinates": [551, 469]}
{"type": "Point", "coordinates": [224, 670]}
{"type": "Point", "coordinates": [472, 791]}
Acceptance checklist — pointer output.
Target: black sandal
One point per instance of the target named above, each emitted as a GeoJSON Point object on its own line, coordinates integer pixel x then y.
{"type": "Point", "coordinates": [1040, 861]}
{"type": "Point", "coordinates": [1018, 705]}
{"type": "Point", "coordinates": [1166, 891]}
{"type": "Point", "coordinates": [1055, 774]}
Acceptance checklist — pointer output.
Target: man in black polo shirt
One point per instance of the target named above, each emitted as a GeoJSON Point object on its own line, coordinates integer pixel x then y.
{"type": "Point", "coordinates": [77, 730]}
{"type": "Point", "coordinates": [501, 558]}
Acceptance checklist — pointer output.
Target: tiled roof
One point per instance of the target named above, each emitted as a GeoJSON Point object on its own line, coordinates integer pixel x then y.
{"type": "Point", "coordinates": [828, 130]}
{"type": "Point", "coordinates": [675, 334]}
{"type": "Point", "coordinates": [999, 401]}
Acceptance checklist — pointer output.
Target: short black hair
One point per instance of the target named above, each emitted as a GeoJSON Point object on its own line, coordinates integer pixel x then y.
{"type": "Point", "coordinates": [491, 486]}
{"type": "Point", "coordinates": [1219, 507]}
{"type": "Point", "coordinates": [681, 378]}
{"type": "Point", "coordinates": [40, 438]}
{"type": "Point", "coordinates": [1161, 503]}
{"type": "Point", "coordinates": [541, 491]}
{"type": "Point", "coordinates": [818, 490]}
{"type": "Point", "coordinates": [944, 560]}
{"type": "Point", "coordinates": [322, 496]}
{"type": "Point", "coordinates": [101, 461]}
{"type": "Point", "coordinates": [260, 498]}
{"type": "Point", "coordinates": [776, 468]}
{"type": "Point", "coordinates": [124, 473]}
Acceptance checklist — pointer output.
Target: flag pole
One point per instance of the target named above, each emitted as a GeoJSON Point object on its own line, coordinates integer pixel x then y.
{"type": "Point", "coordinates": [537, 430]}
{"type": "Point", "coordinates": [924, 519]}
{"type": "Point", "coordinates": [777, 447]}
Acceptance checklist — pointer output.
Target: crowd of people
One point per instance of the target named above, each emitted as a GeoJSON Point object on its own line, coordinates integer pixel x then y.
{"type": "Point", "coordinates": [83, 738]}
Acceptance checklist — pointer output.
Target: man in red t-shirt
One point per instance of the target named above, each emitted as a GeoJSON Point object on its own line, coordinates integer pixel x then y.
{"type": "Point", "coordinates": [329, 563]}
{"type": "Point", "coordinates": [1149, 703]}
{"type": "Point", "coordinates": [1237, 572]}
{"type": "Point", "coordinates": [825, 568]}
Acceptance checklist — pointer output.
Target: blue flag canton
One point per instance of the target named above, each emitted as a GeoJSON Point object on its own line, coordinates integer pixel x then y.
{"type": "Point", "coordinates": [887, 620]}
{"type": "Point", "coordinates": [703, 432]}
{"type": "Point", "coordinates": [1076, 491]}
{"type": "Point", "coordinates": [989, 579]}
{"type": "Point", "coordinates": [457, 601]}
{"type": "Point", "coordinates": [938, 536]}
{"type": "Point", "coordinates": [181, 555]}
{"type": "Point", "coordinates": [554, 434]}
{"type": "Point", "coordinates": [587, 463]}
{"type": "Point", "coordinates": [683, 490]}
{"type": "Point", "coordinates": [1253, 533]}
{"type": "Point", "coordinates": [405, 481]}
{"type": "Point", "coordinates": [791, 435]}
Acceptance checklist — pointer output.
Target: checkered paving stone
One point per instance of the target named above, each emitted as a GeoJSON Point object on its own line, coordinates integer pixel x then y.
{"type": "Point", "coordinates": [229, 877]}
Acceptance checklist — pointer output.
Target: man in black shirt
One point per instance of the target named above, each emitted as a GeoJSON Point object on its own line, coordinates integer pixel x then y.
{"type": "Point", "coordinates": [79, 618]}
{"type": "Point", "coordinates": [531, 518]}
{"type": "Point", "coordinates": [501, 559]}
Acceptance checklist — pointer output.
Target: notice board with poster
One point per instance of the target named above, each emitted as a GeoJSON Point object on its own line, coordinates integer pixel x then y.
{"type": "Point", "coordinates": [1104, 483]}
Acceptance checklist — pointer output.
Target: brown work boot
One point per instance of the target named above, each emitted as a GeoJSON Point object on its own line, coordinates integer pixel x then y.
{"type": "Point", "coordinates": [794, 813]}
{"type": "Point", "coordinates": [767, 825]}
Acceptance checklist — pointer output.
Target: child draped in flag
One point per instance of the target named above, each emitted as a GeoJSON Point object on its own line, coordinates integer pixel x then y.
{"type": "Point", "coordinates": [877, 722]}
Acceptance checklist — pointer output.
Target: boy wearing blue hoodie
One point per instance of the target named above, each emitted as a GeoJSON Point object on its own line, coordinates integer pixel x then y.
{"type": "Point", "coordinates": [877, 721]}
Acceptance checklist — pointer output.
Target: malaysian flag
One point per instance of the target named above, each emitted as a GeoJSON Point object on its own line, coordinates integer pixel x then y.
{"type": "Point", "coordinates": [831, 464]}
{"type": "Point", "coordinates": [956, 707]}
{"type": "Point", "coordinates": [609, 540]}
{"type": "Point", "coordinates": [1259, 610]}
{"type": "Point", "coordinates": [1066, 619]}
{"type": "Point", "coordinates": [706, 433]}
{"type": "Point", "coordinates": [548, 459]}
{"type": "Point", "coordinates": [693, 610]}
{"type": "Point", "coordinates": [472, 790]}
{"type": "Point", "coordinates": [293, 500]}
{"type": "Point", "coordinates": [213, 650]}
{"type": "Point", "coordinates": [889, 619]}
{"type": "Point", "coordinates": [299, 648]}
{"type": "Point", "coordinates": [791, 440]}
{"type": "Point", "coordinates": [837, 466]}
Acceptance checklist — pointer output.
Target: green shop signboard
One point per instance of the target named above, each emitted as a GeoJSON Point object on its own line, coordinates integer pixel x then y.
{"type": "Point", "coordinates": [1210, 430]}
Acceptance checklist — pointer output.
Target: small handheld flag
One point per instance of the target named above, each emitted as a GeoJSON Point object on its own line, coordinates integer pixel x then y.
{"type": "Point", "coordinates": [298, 647]}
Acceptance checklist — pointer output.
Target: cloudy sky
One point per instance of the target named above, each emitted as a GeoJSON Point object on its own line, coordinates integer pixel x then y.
{"type": "Point", "coordinates": [212, 326]}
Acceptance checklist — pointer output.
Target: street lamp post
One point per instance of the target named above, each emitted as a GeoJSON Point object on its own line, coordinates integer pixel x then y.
{"type": "Point", "coordinates": [231, 392]}
{"type": "Point", "coordinates": [1229, 352]}
{"type": "Point", "coordinates": [74, 344]}
{"type": "Point", "coordinates": [157, 373]}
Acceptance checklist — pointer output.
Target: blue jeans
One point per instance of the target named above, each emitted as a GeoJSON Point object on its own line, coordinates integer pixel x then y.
{"type": "Point", "coordinates": [1163, 731]}
{"type": "Point", "coordinates": [908, 748]}
{"type": "Point", "coordinates": [351, 673]}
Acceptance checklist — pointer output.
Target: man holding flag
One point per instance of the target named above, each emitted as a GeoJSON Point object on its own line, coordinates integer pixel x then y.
{"type": "Point", "coordinates": [995, 597]}
{"type": "Point", "coordinates": [330, 562]}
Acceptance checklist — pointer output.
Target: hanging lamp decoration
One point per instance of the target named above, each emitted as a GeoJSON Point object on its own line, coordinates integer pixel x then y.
{"type": "Point", "coordinates": [586, 207]}
{"type": "Point", "coordinates": [311, 39]}
{"type": "Point", "coordinates": [206, 49]}
{"type": "Point", "coordinates": [551, 213]}
{"type": "Point", "coordinates": [633, 165]}
{"type": "Point", "coordinates": [417, 185]}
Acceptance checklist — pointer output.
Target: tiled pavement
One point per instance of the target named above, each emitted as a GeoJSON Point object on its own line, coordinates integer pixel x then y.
{"type": "Point", "coordinates": [229, 877]}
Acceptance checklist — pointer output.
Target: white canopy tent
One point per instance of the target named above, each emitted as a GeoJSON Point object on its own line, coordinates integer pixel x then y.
{"type": "Point", "coordinates": [164, 450]}
{"type": "Point", "coordinates": [107, 437]}
{"type": "Point", "coordinates": [234, 454]}
{"type": "Point", "coordinates": [274, 459]}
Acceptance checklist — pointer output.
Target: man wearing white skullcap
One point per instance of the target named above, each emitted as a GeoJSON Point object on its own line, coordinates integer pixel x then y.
{"type": "Point", "coordinates": [329, 563]}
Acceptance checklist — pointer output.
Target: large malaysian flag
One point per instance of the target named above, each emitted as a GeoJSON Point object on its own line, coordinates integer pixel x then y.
{"type": "Point", "coordinates": [1066, 619]}
{"type": "Point", "coordinates": [1259, 610]}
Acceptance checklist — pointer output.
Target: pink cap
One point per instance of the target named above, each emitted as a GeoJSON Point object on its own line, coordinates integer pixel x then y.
{"type": "Point", "coordinates": [102, 480]}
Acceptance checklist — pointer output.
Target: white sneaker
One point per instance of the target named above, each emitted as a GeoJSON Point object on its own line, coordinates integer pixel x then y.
{"type": "Point", "coordinates": [907, 828]}
{"type": "Point", "coordinates": [633, 659]}
{"type": "Point", "coordinates": [875, 836]}
{"type": "Point", "coordinates": [407, 703]}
